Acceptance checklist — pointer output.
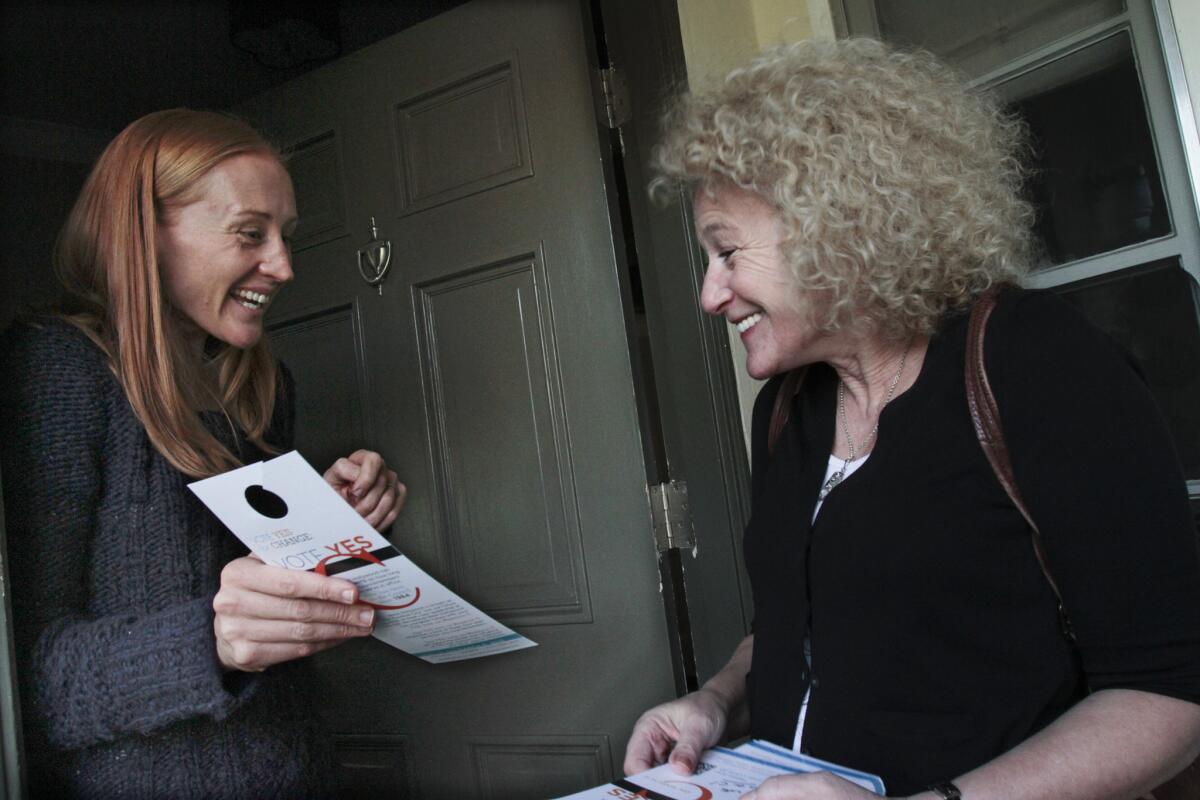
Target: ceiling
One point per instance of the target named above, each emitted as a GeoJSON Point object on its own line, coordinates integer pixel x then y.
{"type": "Point", "coordinates": [99, 64]}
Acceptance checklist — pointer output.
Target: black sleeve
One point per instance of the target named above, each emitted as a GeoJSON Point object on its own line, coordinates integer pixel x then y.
{"type": "Point", "coordinates": [1096, 464]}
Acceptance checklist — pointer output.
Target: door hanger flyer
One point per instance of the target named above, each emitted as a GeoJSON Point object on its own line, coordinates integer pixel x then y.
{"type": "Point", "coordinates": [286, 513]}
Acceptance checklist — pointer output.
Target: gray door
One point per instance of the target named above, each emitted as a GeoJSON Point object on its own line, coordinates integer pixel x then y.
{"type": "Point", "coordinates": [494, 373]}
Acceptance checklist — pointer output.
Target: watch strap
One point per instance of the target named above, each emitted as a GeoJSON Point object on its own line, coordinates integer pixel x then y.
{"type": "Point", "coordinates": [946, 791]}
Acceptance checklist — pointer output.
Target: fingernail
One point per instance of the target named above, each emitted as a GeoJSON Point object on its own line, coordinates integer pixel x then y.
{"type": "Point", "coordinates": [365, 617]}
{"type": "Point", "coordinates": [348, 596]}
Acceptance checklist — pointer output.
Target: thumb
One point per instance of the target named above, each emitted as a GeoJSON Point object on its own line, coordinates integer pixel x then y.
{"type": "Point", "coordinates": [683, 758]}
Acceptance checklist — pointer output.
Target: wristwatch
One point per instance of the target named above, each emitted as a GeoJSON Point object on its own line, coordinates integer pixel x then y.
{"type": "Point", "coordinates": [946, 790]}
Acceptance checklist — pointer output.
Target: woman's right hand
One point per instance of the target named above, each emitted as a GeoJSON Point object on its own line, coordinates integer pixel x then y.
{"type": "Point", "coordinates": [677, 732]}
{"type": "Point", "coordinates": [266, 615]}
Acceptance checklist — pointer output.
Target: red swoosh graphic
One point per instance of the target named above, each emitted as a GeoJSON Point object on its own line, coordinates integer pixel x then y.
{"type": "Point", "coordinates": [705, 794]}
{"type": "Point", "coordinates": [366, 555]}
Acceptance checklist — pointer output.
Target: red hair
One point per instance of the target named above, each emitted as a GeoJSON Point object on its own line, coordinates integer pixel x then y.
{"type": "Point", "coordinates": [107, 263]}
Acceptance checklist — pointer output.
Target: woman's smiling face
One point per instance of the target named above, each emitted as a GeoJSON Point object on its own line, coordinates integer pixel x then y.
{"type": "Point", "coordinates": [223, 255]}
{"type": "Point", "coordinates": [749, 282]}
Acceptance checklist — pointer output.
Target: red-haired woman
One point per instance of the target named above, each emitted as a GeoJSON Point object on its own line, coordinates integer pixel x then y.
{"type": "Point", "coordinates": [156, 658]}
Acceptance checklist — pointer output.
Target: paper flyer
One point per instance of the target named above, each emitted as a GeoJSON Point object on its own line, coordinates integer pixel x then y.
{"type": "Point", "coordinates": [768, 751]}
{"type": "Point", "coordinates": [722, 774]}
{"type": "Point", "coordinates": [286, 513]}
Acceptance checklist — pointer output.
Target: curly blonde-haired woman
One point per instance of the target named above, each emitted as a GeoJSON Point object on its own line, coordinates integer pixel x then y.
{"type": "Point", "coordinates": [156, 658]}
{"type": "Point", "coordinates": [854, 202]}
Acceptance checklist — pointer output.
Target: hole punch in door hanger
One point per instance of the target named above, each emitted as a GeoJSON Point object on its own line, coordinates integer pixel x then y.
{"type": "Point", "coordinates": [344, 554]}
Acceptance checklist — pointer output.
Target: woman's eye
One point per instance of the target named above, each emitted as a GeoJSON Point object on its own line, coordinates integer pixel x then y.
{"type": "Point", "coordinates": [720, 257]}
{"type": "Point", "coordinates": [252, 234]}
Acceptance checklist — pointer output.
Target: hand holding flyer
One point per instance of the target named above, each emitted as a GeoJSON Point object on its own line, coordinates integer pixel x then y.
{"type": "Point", "coordinates": [286, 513]}
{"type": "Point", "coordinates": [723, 774]}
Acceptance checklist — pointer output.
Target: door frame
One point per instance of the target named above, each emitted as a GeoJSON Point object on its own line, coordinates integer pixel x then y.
{"type": "Point", "coordinates": [706, 591]}
{"type": "Point", "coordinates": [12, 752]}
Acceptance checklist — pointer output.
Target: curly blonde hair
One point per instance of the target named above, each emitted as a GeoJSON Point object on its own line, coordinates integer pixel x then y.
{"type": "Point", "coordinates": [899, 187]}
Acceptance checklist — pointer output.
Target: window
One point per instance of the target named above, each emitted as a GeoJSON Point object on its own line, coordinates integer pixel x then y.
{"type": "Point", "coordinates": [1096, 176]}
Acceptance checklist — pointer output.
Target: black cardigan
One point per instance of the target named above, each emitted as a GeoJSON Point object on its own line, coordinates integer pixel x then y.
{"type": "Point", "coordinates": [935, 644]}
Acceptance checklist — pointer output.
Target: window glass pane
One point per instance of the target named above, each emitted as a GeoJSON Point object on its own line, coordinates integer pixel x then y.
{"type": "Point", "coordinates": [979, 36]}
{"type": "Point", "coordinates": [1096, 179]}
{"type": "Point", "coordinates": [1151, 310]}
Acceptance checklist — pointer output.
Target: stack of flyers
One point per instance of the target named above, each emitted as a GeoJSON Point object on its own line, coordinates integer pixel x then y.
{"type": "Point", "coordinates": [723, 774]}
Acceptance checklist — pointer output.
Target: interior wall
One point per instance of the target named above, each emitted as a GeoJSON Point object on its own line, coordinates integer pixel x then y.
{"type": "Point", "coordinates": [720, 35]}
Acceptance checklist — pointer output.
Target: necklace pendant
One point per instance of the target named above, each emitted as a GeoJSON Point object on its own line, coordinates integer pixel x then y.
{"type": "Point", "coordinates": [830, 484]}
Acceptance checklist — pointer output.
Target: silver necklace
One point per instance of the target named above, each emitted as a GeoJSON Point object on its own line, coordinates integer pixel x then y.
{"type": "Point", "coordinates": [840, 473]}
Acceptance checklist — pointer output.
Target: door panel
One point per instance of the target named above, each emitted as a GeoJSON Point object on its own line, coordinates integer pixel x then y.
{"type": "Point", "coordinates": [489, 357]}
{"type": "Point", "coordinates": [496, 378]}
{"type": "Point", "coordinates": [374, 766]}
{"type": "Point", "coordinates": [522, 767]}
{"type": "Point", "coordinates": [322, 349]}
{"type": "Point", "coordinates": [317, 174]}
{"type": "Point", "coordinates": [464, 137]}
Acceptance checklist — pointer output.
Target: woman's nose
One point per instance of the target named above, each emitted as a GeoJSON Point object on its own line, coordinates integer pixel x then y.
{"type": "Point", "coordinates": [715, 293]}
{"type": "Point", "coordinates": [279, 264]}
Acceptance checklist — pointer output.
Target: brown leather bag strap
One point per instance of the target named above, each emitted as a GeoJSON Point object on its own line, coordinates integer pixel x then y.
{"type": "Point", "coordinates": [985, 415]}
{"type": "Point", "coordinates": [788, 389]}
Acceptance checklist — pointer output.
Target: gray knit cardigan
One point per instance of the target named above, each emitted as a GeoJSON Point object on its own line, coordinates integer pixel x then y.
{"type": "Point", "coordinates": [113, 567]}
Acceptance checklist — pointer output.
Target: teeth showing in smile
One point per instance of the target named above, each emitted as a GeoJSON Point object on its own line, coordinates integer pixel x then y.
{"type": "Point", "coordinates": [249, 299]}
{"type": "Point", "coordinates": [748, 323]}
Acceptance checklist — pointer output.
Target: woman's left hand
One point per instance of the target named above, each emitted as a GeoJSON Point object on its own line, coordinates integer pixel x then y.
{"type": "Point", "coordinates": [365, 482]}
{"type": "Point", "coordinates": [813, 786]}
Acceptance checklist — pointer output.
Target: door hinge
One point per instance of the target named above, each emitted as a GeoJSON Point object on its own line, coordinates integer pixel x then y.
{"type": "Point", "coordinates": [672, 517]}
{"type": "Point", "coordinates": [616, 97]}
